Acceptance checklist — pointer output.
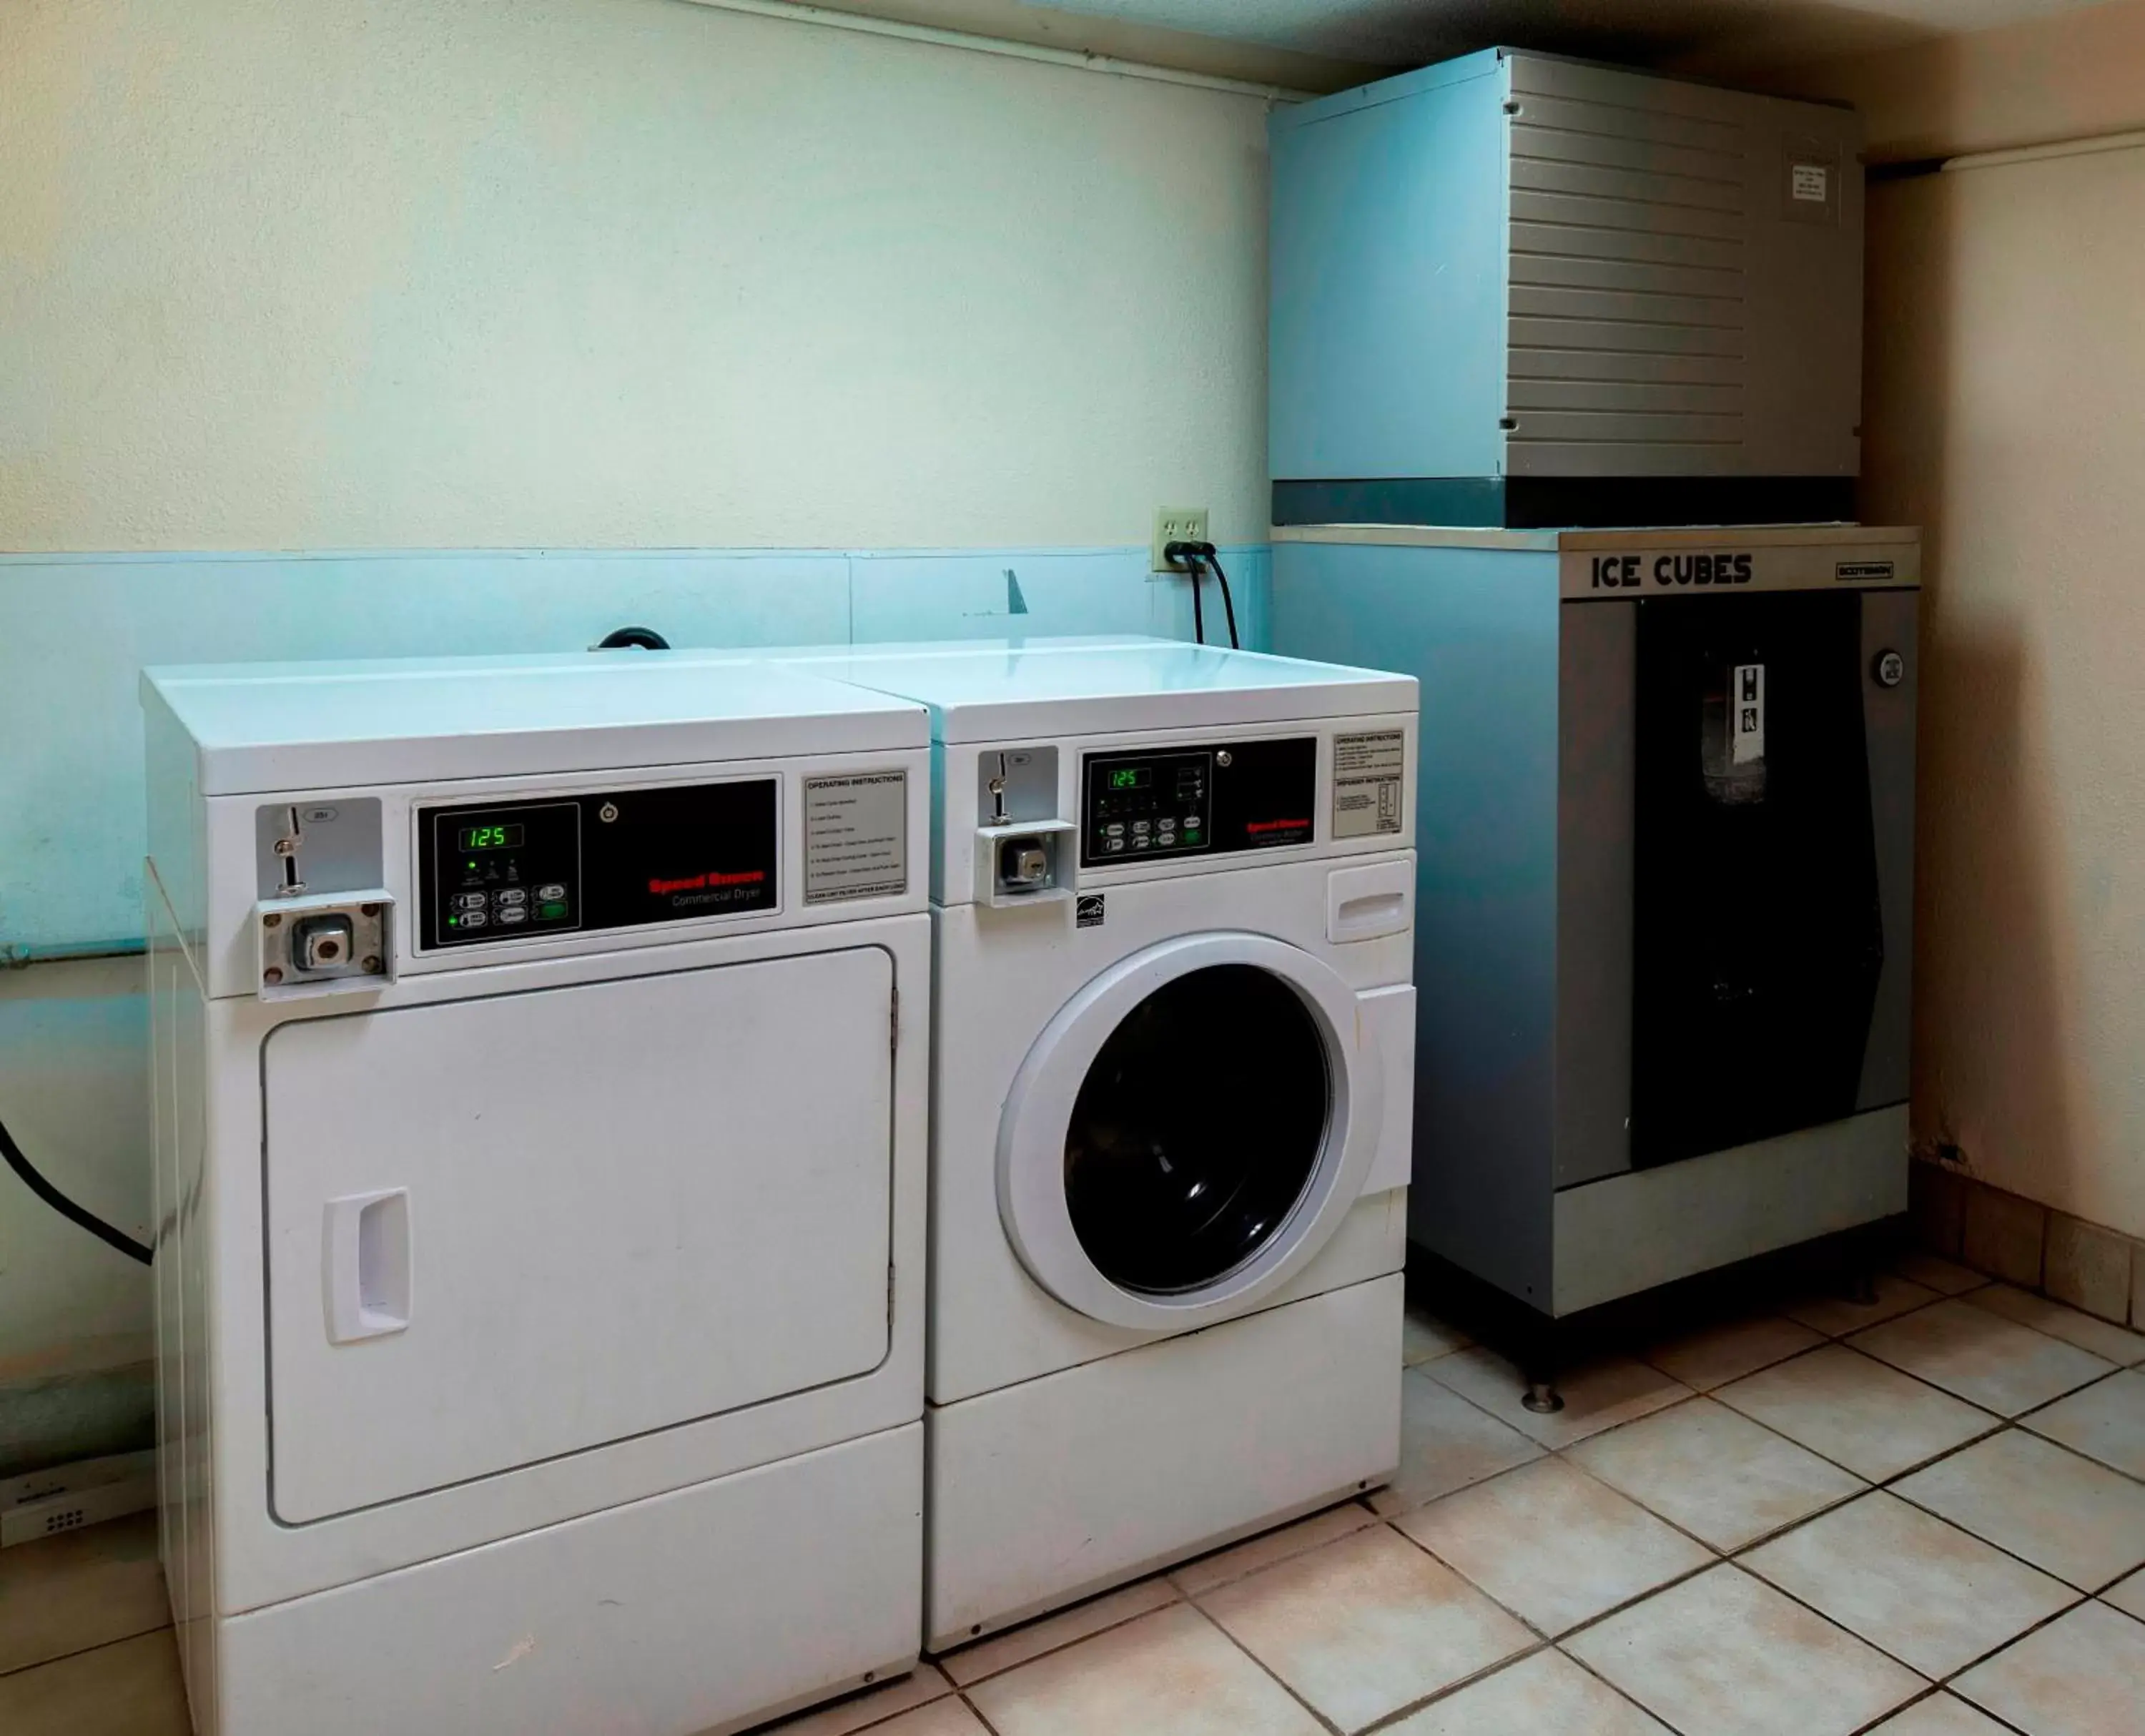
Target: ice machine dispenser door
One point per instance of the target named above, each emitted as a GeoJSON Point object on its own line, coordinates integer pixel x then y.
{"type": "Point", "coordinates": [629, 1204]}
{"type": "Point", "coordinates": [1758, 939]}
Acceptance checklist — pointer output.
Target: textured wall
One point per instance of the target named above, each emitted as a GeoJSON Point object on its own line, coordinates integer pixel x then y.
{"type": "Point", "coordinates": [608, 272]}
{"type": "Point", "coordinates": [575, 275]}
{"type": "Point", "coordinates": [2006, 413]}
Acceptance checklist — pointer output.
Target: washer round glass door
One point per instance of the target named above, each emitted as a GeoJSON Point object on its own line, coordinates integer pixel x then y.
{"type": "Point", "coordinates": [1197, 1129]}
{"type": "Point", "coordinates": [1188, 1131]}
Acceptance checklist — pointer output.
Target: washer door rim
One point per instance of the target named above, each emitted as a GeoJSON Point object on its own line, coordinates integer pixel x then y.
{"type": "Point", "coordinates": [1033, 1207]}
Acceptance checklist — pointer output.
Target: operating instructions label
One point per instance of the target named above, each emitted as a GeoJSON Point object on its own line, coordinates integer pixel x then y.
{"type": "Point", "coordinates": [856, 836]}
{"type": "Point", "coordinates": [1368, 771]}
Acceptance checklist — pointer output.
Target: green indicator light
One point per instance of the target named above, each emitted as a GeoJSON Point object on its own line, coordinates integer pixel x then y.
{"type": "Point", "coordinates": [550, 912]}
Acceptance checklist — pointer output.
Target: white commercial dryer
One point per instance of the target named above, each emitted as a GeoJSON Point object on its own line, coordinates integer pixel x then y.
{"type": "Point", "coordinates": [540, 1111]}
{"type": "Point", "coordinates": [1173, 896]}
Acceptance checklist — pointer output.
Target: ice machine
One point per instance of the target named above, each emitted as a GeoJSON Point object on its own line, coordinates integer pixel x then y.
{"type": "Point", "coordinates": [1664, 897]}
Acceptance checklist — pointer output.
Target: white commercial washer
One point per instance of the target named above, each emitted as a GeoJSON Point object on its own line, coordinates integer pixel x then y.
{"type": "Point", "coordinates": [540, 1086]}
{"type": "Point", "coordinates": [1173, 892]}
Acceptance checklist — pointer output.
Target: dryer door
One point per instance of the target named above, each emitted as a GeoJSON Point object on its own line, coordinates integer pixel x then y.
{"type": "Point", "coordinates": [514, 1226]}
{"type": "Point", "coordinates": [1189, 1130]}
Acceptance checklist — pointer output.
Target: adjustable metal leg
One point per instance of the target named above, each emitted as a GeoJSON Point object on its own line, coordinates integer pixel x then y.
{"type": "Point", "coordinates": [1538, 1366]}
{"type": "Point", "coordinates": [1542, 1398]}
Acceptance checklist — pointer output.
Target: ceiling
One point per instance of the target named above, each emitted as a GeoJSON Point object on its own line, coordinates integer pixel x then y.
{"type": "Point", "coordinates": [1411, 32]}
{"type": "Point", "coordinates": [1329, 43]}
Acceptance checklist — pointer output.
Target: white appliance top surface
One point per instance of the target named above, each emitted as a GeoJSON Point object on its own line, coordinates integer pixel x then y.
{"type": "Point", "coordinates": [297, 726]}
{"type": "Point", "coordinates": [1682, 536]}
{"type": "Point", "coordinates": [1012, 691]}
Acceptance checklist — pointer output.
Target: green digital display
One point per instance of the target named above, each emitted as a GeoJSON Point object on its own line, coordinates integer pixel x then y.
{"type": "Point", "coordinates": [1130, 777]}
{"type": "Point", "coordinates": [492, 837]}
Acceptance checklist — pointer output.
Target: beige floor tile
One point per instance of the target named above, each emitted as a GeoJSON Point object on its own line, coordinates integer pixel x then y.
{"type": "Point", "coordinates": [1596, 1396]}
{"type": "Point", "coordinates": [1445, 1444]}
{"type": "Point", "coordinates": [2068, 1515]}
{"type": "Point", "coordinates": [1856, 1411]}
{"type": "Point", "coordinates": [2106, 1421]}
{"type": "Point", "coordinates": [2078, 1676]}
{"type": "Point", "coordinates": [1249, 1556]}
{"type": "Point", "coordinates": [1366, 1626]}
{"type": "Point", "coordinates": [942, 1717]}
{"type": "Point", "coordinates": [1837, 1315]}
{"type": "Point", "coordinates": [1715, 1473]}
{"type": "Point", "coordinates": [131, 1687]}
{"type": "Point", "coordinates": [1170, 1674]}
{"type": "Point", "coordinates": [1981, 1357]}
{"type": "Point", "coordinates": [2129, 1596]}
{"type": "Point", "coordinates": [1423, 1335]}
{"type": "Point", "coordinates": [84, 1589]}
{"type": "Point", "coordinates": [1931, 1271]}
{"type": "Point", "coordinates": [1017, 1645]}
{"type": "Point", "coordinates": [870, 1709]}
{"type": "Point", "coordinates": [1552, 1544]}
{"type": "Point", "coordinates": [1724, 1654]}
{"type": "Point", "coordinates": [1718, 1354]}
{"type": "Point", "coordinates": [1941, 1714]}
{"type": "Point", "coordinates": [1933, 1597]}
{"type": "Point", "coordinates": [1545, 1695]}
{"type": "Point", "coordinates": [2115, 1343]}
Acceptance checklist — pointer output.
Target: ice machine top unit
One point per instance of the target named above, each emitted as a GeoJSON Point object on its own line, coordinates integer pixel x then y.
{"type": "Point", "coordinates": [1517, 290]}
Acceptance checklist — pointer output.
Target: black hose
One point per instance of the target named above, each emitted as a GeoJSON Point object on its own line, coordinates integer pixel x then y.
{"type": "Point", "coordinates": [65, 1207]}
{"type": "Point", "coordinates": [637, 638]}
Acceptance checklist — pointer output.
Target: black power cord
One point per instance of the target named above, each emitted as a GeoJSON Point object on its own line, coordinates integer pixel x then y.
{"type": "Point", "coordinates": [1198, 558]}
{"type": "Point", "coordinates": [65, 1207]}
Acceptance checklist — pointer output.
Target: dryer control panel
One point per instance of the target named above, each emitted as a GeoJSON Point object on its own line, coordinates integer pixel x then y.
{"type": "Point", "coordinates": [606, 859]}
{"type": "Point", "coordinates": [1203, 801]}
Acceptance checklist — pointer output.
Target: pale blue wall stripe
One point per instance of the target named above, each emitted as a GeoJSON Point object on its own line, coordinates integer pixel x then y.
{"type": "Point", "coordinates": [76, 629]}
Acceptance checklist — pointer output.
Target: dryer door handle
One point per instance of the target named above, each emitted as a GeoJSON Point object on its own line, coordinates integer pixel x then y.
{"type": "Point", "coordinates": [367, 1264]}
{"type": "Point", "coordinates": [1367, 904]}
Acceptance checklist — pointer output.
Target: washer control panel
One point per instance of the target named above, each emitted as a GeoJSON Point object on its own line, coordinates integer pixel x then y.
{"type": "Point", "coordinates": [1197, 801]}
{"type": "Point", "coordinates": [608, 859]}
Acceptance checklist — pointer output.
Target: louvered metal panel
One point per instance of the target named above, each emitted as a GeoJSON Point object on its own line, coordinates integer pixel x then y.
{"type": "Point", "coordinates": [1591, 274]}
{"type": "Point", "coordinates": [1676, 272]}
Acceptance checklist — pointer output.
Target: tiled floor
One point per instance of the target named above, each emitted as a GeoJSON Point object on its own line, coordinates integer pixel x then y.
{"type": "Point", "coordinates": [1924, 1516]}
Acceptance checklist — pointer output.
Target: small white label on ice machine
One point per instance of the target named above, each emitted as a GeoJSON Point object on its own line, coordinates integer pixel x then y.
{"type": "Point", "coordinates": [1749, 707]}
{"type": "Point", "coordinates": [1367, 774]}
{"type": "Point", "coordinates": [1811, 182]}
{"type": "Point", "coordinates": [856, 836]}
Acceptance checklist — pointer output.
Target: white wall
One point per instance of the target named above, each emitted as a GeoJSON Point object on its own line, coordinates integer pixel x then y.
{"type": "Point", "coordinates": [579, 274]}
{"type": "Point", "coordinates": [608, 272]}
{"type": "Point", "coordinates": [2006, 411]}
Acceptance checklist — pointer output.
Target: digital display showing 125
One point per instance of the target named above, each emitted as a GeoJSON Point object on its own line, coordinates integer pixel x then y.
{"type": "Point", "coordinates": [1131, 777]}
{"type": "Point", "coordinates": [492, 837]}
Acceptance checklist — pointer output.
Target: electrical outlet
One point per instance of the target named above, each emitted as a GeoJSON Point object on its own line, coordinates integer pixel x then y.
{"type": "Point", "coordinates": [1176, 525]}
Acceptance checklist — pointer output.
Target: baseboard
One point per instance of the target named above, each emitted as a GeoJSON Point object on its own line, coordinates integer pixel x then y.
{"type": "Point", "coordinates": [2085, 1266]}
